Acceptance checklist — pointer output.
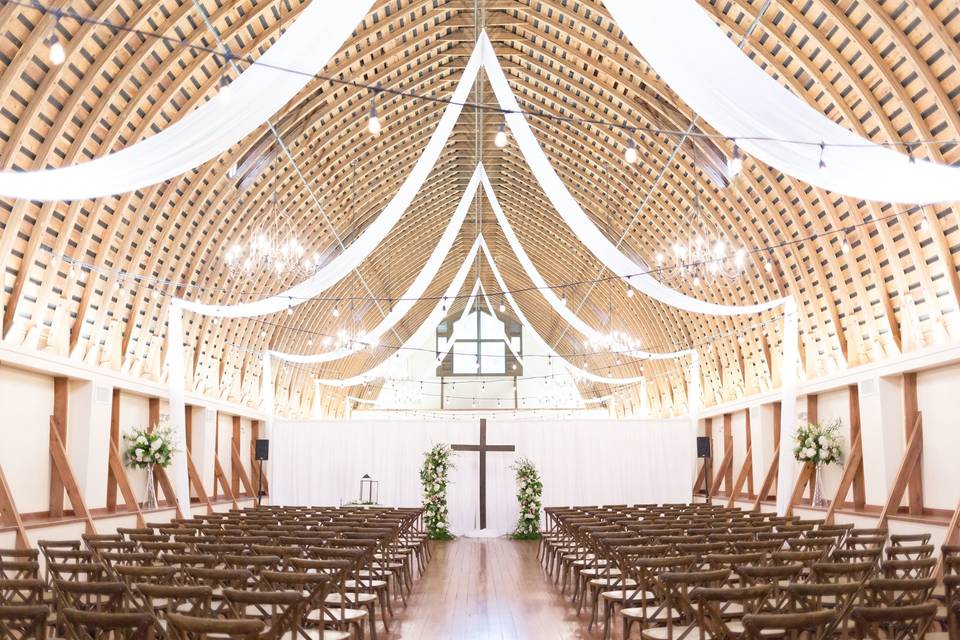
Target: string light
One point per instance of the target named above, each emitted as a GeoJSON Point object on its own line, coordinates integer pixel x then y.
{"type": "Point", "coordinates": [290, 307]}
{"type": "Point", "coordinates": [57, 55]}
{"type": "Point", "coordinates": [373, 122]}
{"type": "Point", "coordinates": [501, 138]}
{"type": "Point", "coordinates": [336, 312]}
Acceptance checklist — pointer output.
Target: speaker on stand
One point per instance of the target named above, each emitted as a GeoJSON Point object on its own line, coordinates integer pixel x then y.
{"type": "Point", "coordinates": [262, 452]}
{"type": "Point", "coordinates": [703, 451]}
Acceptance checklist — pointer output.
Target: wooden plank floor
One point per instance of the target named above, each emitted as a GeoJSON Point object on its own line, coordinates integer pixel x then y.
{"type": "Point", "coordinates": [489, 588]}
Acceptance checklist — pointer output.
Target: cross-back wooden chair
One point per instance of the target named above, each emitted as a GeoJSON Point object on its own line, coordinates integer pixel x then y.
{"type": "Point", "coordinates": [675, 590]}
{"type": "Point", "coordinates": [22, 591]}
{"type": "Point", "coordinates": [894, 623]}
{"type": "Point", "coordinates": [790, 626]}
{"type": "Point", "coordinates": [183, 627]}
{"type": "Point", "coordinates": [97, 625]}
{"type": "Point", "coordinates": [281, 611]}
{"type": "Point", "coordinates": [720, 611]}
{"type": "Point", "coordinates": [23, 621]}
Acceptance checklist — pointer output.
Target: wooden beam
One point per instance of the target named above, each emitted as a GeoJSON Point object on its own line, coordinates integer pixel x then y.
{"type": "Point", "coordinates": [197, 482]}
{"type": "Point", "coordinates": [853, 465]}
{"type": "Point", "coordinates": [115, 464]}
{"type": "Point", "coordinates": [803, 478]}
{"type": "Point", "coordinates": [951, 536]}
{"type": "Point", "coordinates": [728, 446]}
{"type": "Point", "coordinates": [701, 476]}
{"type": "Point", "coordinates": [910, 412]}
{"type": "Point", "coordinates": [58, 453]}
{"type": "Point", "coordinates": [859, 485]}
{"type": "Point", "coordinates": [745, 470]}
{"type": "Point", "coordinates": [254, 463]}
{"type": "Point", "coordinates": [770, 477]}
{"type": "Point", "coordinates": [241, 474]}
{"type": "Point", "coordinates": [234, 469]}
{"type": "Point", "coordinates": [61, 395]}
{"type": "Point", "coordinates": [813, 415]}
{"type": "Point", "coordinates": [725, 465]}
{"type": "Point", "coordinates": [112, 474]}
{"type": "Point", "coordinates": [748, 433]}
{"type": "Point", "coordinates": [219, 475]}
{"type": "Point", "coordinates": [9, 513]}
{"type": "Point", "coordinates": [909, 462]}
{"type": "Point", "coordinates": [708, 462]}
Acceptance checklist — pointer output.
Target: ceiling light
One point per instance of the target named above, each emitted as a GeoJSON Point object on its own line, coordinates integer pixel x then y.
{"type": "Point", "coordinates": [336, 312]}
{"type": "Point", "coordinates": [501, 139]}
{"type": "Point", "coordinates": [373, 122]}
{"type": "Point", "coordinates": [57, 54]}
{"type": "Point", "coordinates": [630, 155]}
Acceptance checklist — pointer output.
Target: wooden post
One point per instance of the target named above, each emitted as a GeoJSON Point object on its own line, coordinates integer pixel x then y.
{"type": "Point", "coordinates": [112, 474]}
{"type": "Point", "coordinates": [805, 476]}
{"type": "Point", "coordinates": [853, 465]}
{"type": "Point", "coordinates": [952, 536]}
{"type": "Point", "coordinates": [61, 395]}
{"type": "Point", "coordinates": [859, 485]}
{"type": "Point", "coordinates": [728, 446]}
{"type": "Point", "coordinates": [115, 464]}
{"type": "Point", "coordinates": [708, 462]}
{"type": "Point", "coordinates": [770, 478]}
{"type": "Point", "coordinates": [241, 474]}
{"type": "Point", "coordinates": [197, 482]}
{"type": "Point", "coordinates": [235, 467]}
{"type": "Point", "coordinates": [910, 412]}
{"type": "Point", "coordinates": [221, 476]}
{"type": "Point", "coordinates": [812, 416]}
{"type": "Point", "coordinates": [722, 471]}
{"type": "Point", "coordinates": [254, 463]}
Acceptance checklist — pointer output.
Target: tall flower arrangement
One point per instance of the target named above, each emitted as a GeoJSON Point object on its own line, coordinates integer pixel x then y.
{"type": "Point", "coordinates": [818, 444]}
{"type": "Point", "coordinates": [530, 496]}
{"type": "Point", "coordinates": [433, 476]}
{"type": "Point", "coordinates": [146, 449]}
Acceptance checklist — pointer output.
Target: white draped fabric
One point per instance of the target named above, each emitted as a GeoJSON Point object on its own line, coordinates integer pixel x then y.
{"type": "Point", "coordinates": [726, 88]}
{"type": "Point", "coordinates": [786, 476]}
{"type": "Point", "coordinates": [255, 95]}
{"type": "Point", "coordinates": [580, 461]}
{"type": "Point", "coordinates": [175, 373]}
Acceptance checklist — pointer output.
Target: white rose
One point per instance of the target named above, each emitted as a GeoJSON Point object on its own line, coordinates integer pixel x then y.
{"type": "Point", "coordinates": [139, 455]}
{"type": "Point", "coordinates": [141, 440]}
{"type": "Point", "coordinates": [156, 445]}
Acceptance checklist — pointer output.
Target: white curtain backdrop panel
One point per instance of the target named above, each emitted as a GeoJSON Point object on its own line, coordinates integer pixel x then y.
{"type": "Point", "coordinates": [582, 462]}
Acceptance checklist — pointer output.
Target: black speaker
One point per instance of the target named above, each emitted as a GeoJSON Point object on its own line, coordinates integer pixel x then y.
{"type": "Point", "coordinates": [263, 449]}
{"type": "Point", "coordinates": [703, 447]}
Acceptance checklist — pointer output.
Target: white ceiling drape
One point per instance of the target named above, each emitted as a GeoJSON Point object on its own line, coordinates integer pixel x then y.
{"type": "Point", "coordinates": [722, 85]}
{"type": "Point", "coordinates": [211, 129]}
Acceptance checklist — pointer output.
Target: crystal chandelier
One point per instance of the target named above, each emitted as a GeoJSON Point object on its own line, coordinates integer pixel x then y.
{"type": "Point", "coordinates": [700, 256]}
{"type": "Point", "coordinates": [272, 247]}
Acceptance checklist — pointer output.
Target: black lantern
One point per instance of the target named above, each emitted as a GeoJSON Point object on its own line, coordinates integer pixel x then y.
{"type": "Point", "coordinates": [369, 488]}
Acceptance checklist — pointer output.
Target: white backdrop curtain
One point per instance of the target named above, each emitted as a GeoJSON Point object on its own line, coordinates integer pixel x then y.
{"type": "Point", "coordinates": [581, 462]}
{"type": "Point", "coordinates": [722, 85]}
{"type": "Point", "coordinates": [211, 129]}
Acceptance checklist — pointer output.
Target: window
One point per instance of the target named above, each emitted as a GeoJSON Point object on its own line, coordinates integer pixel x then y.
{"type": "Point", "coordinates": [480, 345]}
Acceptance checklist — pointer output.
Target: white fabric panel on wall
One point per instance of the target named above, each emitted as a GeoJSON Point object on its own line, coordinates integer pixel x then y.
{"type": "Point", "coordinates": [727, 89]}
{"type": "Point", "coordinates": [260, 91]}
{"type": "Point", "coordinates": [581, 462]}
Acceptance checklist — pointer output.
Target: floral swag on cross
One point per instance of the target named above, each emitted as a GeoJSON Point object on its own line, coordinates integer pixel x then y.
{"type": "Point", "coordinates": [433, 476]}
{"type": "Point", "coordinates": [530, 496]}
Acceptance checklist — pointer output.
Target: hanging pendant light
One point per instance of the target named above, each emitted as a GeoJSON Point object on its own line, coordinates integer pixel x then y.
{"type": "Point", "coordinates": [630, 155]}
{"type": "Point", "coordinates": [501, 138]}
{"type": "Point", "coordinates": [734, 164]}
{"type": "Point", "coordinates": [57, 55]}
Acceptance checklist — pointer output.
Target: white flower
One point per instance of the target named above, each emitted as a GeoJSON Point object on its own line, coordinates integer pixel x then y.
{"type": "Point", "coordinates": [156, 444]}
{"type": "Point", "coordinates": [141, 440]}
{"type": "Point", "coordinates": [139, 455]}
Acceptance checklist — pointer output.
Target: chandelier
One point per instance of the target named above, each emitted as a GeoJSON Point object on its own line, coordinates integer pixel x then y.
{"type": "Point", "coordinates": [272, 248]}
{"type": "Point", "coordinates": [700, 256]}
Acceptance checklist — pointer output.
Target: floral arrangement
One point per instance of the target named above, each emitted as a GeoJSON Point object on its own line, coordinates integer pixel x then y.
{"type": "Point", "coordinates": [529, 495]}
{"type": "Point", "coordinates": [433, 476]}
{"type": "Point", "coordinates": [818, 444]}
{"type": "Point", "coordinates": [146, 448]}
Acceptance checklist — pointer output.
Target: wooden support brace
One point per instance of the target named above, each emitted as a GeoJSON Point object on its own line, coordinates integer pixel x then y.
{"type": "Point", "coordinates": [167, 487]}
{"type": "Point", "coordinates": [768, 479]}
{"type": "Point", "coordinates": [58, 452]}
{"type": "Point", "coordinates": [113, 477]}
{"type": "Point", "coordinates": [237, 466]}
{"type": "Point", "coordinates": [853, 466]}
{"type": "Point", "coordinates": [909, 463]}
{"type": "Point", "coordinates": [61, 394]}
{"type": "Point", "coordinates": [805, 476]}
{"type": "Point", "coordinates": [9, 513]}
{"type": "Point", "coordinates": [701, 476]}
{"type": "Point", "coordinates": [221, 476]}
{"type": "Point", "coordinates": [117, 471]}
{"type": "Point", "coordinates": [234, 468]}
{"type": "Point", "coordinates": [725, 465]}
{"type": "Point", "coordinates": [952, 536]}
{"type": "Point", "coordinates": [745, 470]}
{"type": "Point", "coordinates": [197, 483]}
{"type": "Point", "coordinates": [911, 422]}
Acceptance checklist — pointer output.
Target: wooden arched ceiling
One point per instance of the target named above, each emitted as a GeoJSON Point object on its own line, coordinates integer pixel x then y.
{"type": "Point", "coordinates": [887, 70]}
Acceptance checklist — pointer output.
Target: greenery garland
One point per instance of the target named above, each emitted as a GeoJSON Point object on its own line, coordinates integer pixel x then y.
{"type": "Point", "coordinates": [818, 444]}
{"type": "Point", "coordinates": [433, 476]}
{"type": "Point", "coordinates": [145, 447]}
{"type": "Point", "coordinates": [529, 495]}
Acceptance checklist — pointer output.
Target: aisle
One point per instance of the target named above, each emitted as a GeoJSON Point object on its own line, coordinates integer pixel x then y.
{"type": "Point", "coordinates": [481, 589]}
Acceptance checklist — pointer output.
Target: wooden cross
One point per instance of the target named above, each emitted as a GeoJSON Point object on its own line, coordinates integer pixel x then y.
{"type": "Point", "coordinates": [482, 449]}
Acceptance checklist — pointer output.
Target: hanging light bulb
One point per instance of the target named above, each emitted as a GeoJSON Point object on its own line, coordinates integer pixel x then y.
{"type": "Point", "coordinates": [768, 266]}
{"type": "Point", "coordinates": [226, 91]}
{"type": "Point", "coordinates": [373, 122]}
{"type": "Point", "coordinates": [502, 307]}
{"type": "Point", "coordinates": [924, 225]}
{"type": "Point", "coordinates": [629, 291]}
{"type": "Point", "coordinates": [290, 307]}
{"type": "Point", "coordinates": [845, 247]}
{"type": "Point", "coordinates": [630, 155]}
{"type": "Point", "coordinates": [57, 53]}
{"type": "Point", "coordinates": [735, 163]}
{"type": "Point", "coordinates": [563, 300]}
{"type": "Point", "coordinates": [501, 138]}
{"type": "Point", "coordinates": [336, 312]}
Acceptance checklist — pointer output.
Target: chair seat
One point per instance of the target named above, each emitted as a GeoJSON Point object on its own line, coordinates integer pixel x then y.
{"type": "Point", "coordinates": [662, 615]}
{"type": "Point", "coordinates": [612, 582]}
{"type": "Point", "coordinates": [631, 595]}
{"type": "Point", "coordinates": [364, 584]}
{"type": "Point", "coordinates": [328, 634]}
{"type": "Point", "coordinates": [351, 598]}
{"type": "Point", "coordinates": [736, 628]}
{"type": "Point", "coordinates": [596, 571]}
{"type": "Point", "coordinates": [663, 633]}
{"type": "Point", "coordinates": [338, 615]}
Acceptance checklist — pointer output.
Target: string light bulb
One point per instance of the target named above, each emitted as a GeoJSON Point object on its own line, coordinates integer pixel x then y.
{"type": "Point", "coordinates": [629, 291]}
{"type": "Point", "coordinates": [336, 312]}
{"type": "Point", "coordinates": [630, 155]}
{"type": "Point", "coordinates": [845, 247]}
{"type": "Point", "coordinates": [373, 122]}
{"type": "Point", "coordinates": [768, 266]}
{"type": "Point", "coordinates": [735, 163]}
{"type": "Point", "coordinates": [924, 225]}
{"type": "Point", "coordinates": [501, 138]}
{"type": "Point", "coordinates": [57, 55]}
{"type": "Point", "coordinates": [290, 307]}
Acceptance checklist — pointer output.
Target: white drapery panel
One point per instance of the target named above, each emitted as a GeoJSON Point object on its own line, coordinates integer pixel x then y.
{"type": "Point", "coordinates": [581, 462]}
{"type": "Point", "coordinates": [175, 375]}
{"type": "Point", "coordinates": [726, 88]}
{"type": "Point", "coordinates": [256, 94]}
{"type": "Point", "coordinates": [786, 475]}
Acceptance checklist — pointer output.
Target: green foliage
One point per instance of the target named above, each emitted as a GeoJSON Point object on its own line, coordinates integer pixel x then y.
{"type": "Point", "coordinates": [818, 444]}
{"type": "Point", "coordinates": [144, 448]}
{"type": "Point", "coordinates": [433, 477]}
{"type": "Point", "coordinates": [530, 496]}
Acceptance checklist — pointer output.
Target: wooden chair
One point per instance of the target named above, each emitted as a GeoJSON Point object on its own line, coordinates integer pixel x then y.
{"type": "Point", "coordinates": [163, 600]}
{"type": "Point", "coordinates": [282, 611]}
{"type": "Point", "coordinates": [315, 613]}
{"type": "Point", "coordinates": [720, 611]}
{"type": "Point", "coordinates": [647, 605]}
{"type": "Point", "coordinates": [896, 592]}
{"type": "Point", "coordinates": [95, 625]}
{"type": "Point", "coordinates": [20, 592]}
{"type": "Point", "coordinates": [894, 623]}
{"type": "Point", "coordinates": [183, 627]}
{"type": "Point", "coordinates": [23, 622]}
{"type": "Point", "coordinates": [791, 626]}
{"type": "Point", "coordinates": [675, 596]}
